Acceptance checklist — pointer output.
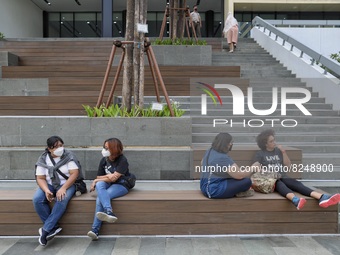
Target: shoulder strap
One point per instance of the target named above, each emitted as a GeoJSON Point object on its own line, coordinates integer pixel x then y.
{"type": "Point", "coordinates": [59, 172]}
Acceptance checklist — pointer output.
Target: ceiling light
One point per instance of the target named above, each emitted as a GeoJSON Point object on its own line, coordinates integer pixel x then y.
{"type": "Point", "coordinates": [46, 1]}
{"type": "Point", "coordinates": [77, 1]}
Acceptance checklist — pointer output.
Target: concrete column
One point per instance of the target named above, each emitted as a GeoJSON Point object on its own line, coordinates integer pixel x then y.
{"type": "Point", "coordinates": [228, 7]}
{"type": "Point", "coordinates": [107, 18]}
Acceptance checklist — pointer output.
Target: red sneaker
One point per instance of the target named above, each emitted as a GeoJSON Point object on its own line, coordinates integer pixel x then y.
{"type": "Point", "coordinates": [328, 200]}
{"type": "Point", "coordinates": [301, 203]}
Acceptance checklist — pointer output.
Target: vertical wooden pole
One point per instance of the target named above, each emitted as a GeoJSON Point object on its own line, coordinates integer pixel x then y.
{"type": "Point", "coordinates": [115, 81]}
{"type": "Point", "coordinates": [161, 81]}
{"type": "Point", "coordinates": [107, 73]}
{"type": "Point", "coordinates": [151, 65]}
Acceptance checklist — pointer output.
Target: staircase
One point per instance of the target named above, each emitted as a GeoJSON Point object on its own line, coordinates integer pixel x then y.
{"type": "Point", "coordinates": [318, 135]}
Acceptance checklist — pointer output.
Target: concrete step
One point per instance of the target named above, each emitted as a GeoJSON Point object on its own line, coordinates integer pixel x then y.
{"type": "Point", "coordinates": [317, 158]}
{"type": "Point", "coordinates": [289, 113]}
{"type": "Point", "coordinates": [18, 162]}
{"type": "Point", "coordinates": [258, 104]}
{"type": "Point", "coordinates": [315, 137]}
{"type": "Point", "coordinates": [320, 172]}
{"type": "Point", "coordinates": [238, 127]}
{"type": "Point", "coordinates": [325, 147]}
{"type": "Point", "coordinates": [258, 97]}
{"type": "Point", "coordinates": [315, 120]}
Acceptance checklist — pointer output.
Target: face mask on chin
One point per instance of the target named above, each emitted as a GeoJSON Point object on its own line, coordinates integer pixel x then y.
{"type": "Point", "coordinates": [106, 153]}
{"type": "Point", "coordinates": [59, 151]}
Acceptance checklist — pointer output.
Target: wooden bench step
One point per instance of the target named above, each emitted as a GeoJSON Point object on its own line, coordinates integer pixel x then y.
{"type": "Point", "coordinates": [174, 212]}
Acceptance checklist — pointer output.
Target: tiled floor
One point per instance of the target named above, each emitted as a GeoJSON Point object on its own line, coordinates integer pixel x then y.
{"type": "Point", "coordinates": [238, 245]}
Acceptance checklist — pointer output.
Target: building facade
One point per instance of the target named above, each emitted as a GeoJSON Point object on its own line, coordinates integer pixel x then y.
{"type": "Point", "coordinates": [106, 18]}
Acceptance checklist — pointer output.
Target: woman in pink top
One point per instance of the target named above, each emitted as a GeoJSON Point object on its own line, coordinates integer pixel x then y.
{"type": "Point", "coordinates": [230, 31]}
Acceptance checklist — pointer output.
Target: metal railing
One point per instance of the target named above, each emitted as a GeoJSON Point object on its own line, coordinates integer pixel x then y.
{"type": "Point", "coordinates": [328, 64]}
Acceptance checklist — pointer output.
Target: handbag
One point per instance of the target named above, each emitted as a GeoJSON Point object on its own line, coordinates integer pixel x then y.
{"type": "Point", "coordinates": [264, 182]}
{"type": "Point", "coordinates": [130, 180]}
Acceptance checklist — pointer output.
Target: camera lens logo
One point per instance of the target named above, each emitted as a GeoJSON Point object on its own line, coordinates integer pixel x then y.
{"type": "Point", "coordinates": [211, 91]}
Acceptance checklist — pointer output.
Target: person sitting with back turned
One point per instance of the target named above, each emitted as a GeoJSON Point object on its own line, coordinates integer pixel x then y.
{"type": "Point", "coordinates": [273, 156]}
{"type": "Point", "coordinates": [230, 31]}
{"type": "Point", "coordinates": [53, 187]}
{"type": "Point", "coordinates": [220, 175]}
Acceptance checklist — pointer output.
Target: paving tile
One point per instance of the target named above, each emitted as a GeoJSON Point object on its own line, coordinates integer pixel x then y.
{"type": "Point", "coordinates": [152, 246]}
{"type": "Point", "coordinates": [332, 244]}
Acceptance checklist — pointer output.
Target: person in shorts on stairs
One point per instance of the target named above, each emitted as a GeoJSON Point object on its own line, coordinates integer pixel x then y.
{"type": "Point", "coordinates": [220, 175]}
{"type": "Point", "coordinates": [230, 31]}
{"type": "Point", "coordinates": [53, 187]}
{"type": "Point", "coordinates": [109, 184]}
{"type": "Point", "coordinates": [273, 156]}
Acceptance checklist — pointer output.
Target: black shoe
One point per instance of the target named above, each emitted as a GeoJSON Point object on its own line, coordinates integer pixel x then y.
{"type": "Point", "coordinates": [93, 234]}
{"type": "Point", "coordinates": [107, 216]}
{"type": "Point", "coordinates": [53, 233]}
{"type": "Point", "coordinates": [43, 237]}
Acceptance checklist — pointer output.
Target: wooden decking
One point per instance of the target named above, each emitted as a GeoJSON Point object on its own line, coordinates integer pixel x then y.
{"type": "Point", "coordinates": [174, 212]}
{"type": "Point", "coordinates": [75, 71]}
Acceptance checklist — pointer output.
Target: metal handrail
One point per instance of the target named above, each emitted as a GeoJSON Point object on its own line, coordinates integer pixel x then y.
{"type": "Point", "coordinates": [315, 56]}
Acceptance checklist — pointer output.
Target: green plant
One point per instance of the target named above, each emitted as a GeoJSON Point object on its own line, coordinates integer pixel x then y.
{"type": "Point", "coordinates": [2, 36]}
{"type": "Point", "coordinates": [115, 110]}
{"type": "Point", "coordinates": [178, 41]}
{"type": "Point", "coordinates": [336, 56]}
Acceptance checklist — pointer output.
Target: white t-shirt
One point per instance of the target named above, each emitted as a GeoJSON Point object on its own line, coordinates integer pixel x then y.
{"type": "Point", "coordinates": [64, 169]}
{"type": "Point", "coordinates": [195, 16]}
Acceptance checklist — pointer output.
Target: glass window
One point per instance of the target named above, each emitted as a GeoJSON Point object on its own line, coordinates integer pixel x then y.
{"type": "Point", "coordinates": [152, 24]}
{"type": "Point", "coordinates": [86, 25]}
{"type": "Point", "coordinates": [54, 24]}
{"type": "Point", "coordinates": [67, 25]}
{"type": "Point", "coordinates": [117, 26]}
{"type": "Point", "coordinates": [218, 24]}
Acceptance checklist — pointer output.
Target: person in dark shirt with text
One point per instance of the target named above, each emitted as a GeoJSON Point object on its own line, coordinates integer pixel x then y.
{"type": "Point", "coordinates": [273, 157]}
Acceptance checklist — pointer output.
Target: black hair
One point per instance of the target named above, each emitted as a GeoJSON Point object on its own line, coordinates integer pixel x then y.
{"type": "Point", "coordinates": [53, 140]}
{"type": "Point", "coordinates": [221, 142]}
{"type": "Point", "coordinates": [262, 138]}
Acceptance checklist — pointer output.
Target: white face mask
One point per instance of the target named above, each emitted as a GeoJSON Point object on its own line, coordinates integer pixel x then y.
{"type": "Point", "coordinates": [59, 151]}
{"type": "Point", "coordinates": [106, 153]}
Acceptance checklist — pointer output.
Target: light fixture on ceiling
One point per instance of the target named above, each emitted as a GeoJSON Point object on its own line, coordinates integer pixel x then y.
{"type": "Point", "coordinates": [77, 1]}
{"type": "Point", "coordinates": [46, 1]}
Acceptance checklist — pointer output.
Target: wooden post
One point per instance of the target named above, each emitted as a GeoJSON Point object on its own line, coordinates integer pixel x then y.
{"type": "Point", "coordinates": [161, 81]}
{"type": "Point", "coordinates": [115, 81]}
{"type": "Point", "coordinates": [107, 73]}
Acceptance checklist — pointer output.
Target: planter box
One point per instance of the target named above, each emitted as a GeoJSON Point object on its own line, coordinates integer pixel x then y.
{"type": "Point", "coordinates": [8, 59]}
{"type": "Point", "coordinates": [81, 131]}
{"type": "Point", "coordinates": [157, 148]}
{"type": "Point", "coordinates": [192, 55]}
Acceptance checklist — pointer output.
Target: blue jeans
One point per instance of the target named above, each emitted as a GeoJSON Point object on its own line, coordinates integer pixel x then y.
{"type": "Point", "coordinates": [106, 192]}
{"type": "Point", "coordinates": [50, 217]}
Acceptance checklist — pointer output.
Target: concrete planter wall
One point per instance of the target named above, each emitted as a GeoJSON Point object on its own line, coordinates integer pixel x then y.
{"type": "Point", "coordinates": [8, 59]}
{"type": "Point", "coordinates": [192, 55]}
{"type": "Point", "coordinates": [157, 148]}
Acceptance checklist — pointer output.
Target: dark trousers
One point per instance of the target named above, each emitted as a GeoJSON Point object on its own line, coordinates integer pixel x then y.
{"type": "Point", "coordinates": [197, 28]}
{"type": "Point", "coordinates": [288, 185]}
